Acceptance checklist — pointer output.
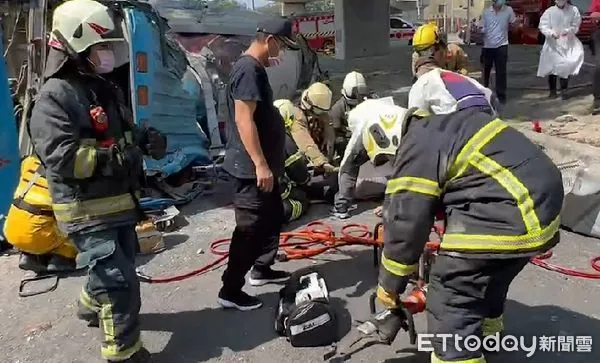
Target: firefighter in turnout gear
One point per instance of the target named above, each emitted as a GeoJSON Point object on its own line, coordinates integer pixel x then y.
{"type": "Point", "coordinates": [376, 127]}
{"type": "Point", "coordinates": [354, 91]}
{"type": "Point", "coordinates": [92, 154]}
{"type": "Point", "coordinates": [298, 186]}
{"type": "Point", "coordinates": [311, 128]}
{"type": "Point", "coordinates": [485, 176]}
{"type": "Point", "coordinates": [431, 50]}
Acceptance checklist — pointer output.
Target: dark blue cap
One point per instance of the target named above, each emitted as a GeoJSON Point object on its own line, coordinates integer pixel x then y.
{"type": "Point", "coordinates": [279, 27]}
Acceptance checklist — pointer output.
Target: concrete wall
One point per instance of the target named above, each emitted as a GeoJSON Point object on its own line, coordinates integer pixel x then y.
{"type": "Point", "coordinates": [361, 30]}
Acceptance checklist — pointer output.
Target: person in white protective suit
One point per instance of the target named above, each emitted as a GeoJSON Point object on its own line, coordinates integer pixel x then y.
{"type": "Point", "coordinates": [562, 54]}
{"type": "Point", "coordinates": [376, 126]}
{"type": "Point", "coordinates": [439, 91]}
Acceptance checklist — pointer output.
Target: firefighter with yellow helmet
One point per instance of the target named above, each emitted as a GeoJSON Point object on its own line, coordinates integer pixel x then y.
{"type": "Point", "coordinates": [354, 91]}
{"type": "Point", "coordinates": [92, 158]}
{"type": "Point", "coordinates": [311, 129]}
{"type": "Point", "coordinates": [431, 49]}
{"type": "Point", "coordinates": [298, 186]}
{"type": "Point", "coordinates": [438, 88]}
{"type": "Point", "coordinates": [485, 177]}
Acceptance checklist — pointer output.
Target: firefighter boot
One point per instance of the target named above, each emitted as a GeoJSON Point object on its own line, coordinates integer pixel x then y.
{"type": "Point", "coordinates": [35, 263]}
{"type": "Point", "coordinates": [141, 356]}
{"type": "Point", "coordinates": [61, 264]}
{"type": "Point", "coordinates": [87, 315]}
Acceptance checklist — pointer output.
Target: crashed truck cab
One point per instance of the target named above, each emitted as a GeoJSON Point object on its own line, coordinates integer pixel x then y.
{"type": "Point", "coordinates": [168, 94]}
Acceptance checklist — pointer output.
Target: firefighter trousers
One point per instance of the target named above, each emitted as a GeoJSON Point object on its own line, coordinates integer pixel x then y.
{"type": "Point", "coordinates": [319, 188]}
{"type": "Point", "coordinates": [111, 295]}
{"type": "Point", "coordinates": [466, 297]}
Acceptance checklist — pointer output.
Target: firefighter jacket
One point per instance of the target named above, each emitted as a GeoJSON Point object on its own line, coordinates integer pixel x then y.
{"type": "Point", "coordinates": [500, 193]}
{"type": "Point", "coordinates": [92, 184]}
{"type": "Point", "coordinates": [355, 154]}
{"type": "Point", "coordinates": [314, 136]}
{"type": "Point", "coordinates": [456, 60]}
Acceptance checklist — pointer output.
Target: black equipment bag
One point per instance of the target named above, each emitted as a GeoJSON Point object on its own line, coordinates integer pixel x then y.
{"type": "Point", "coordinates": [311, 323]}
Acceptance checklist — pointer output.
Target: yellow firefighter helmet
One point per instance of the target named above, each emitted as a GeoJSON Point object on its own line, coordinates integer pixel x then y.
{"type": "Point", "coordinates": [82, 23]}
{"type": "Point", "coordinates": [316, 98]}
{"type": "Point", "coordinates": [287, 110]}
{"type": "Point", "coordinates": [426, 36]}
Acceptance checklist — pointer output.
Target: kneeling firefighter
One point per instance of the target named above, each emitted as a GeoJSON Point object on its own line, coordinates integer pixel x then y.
{"type": "Point", "coordinates": [311, 129]}
{"type": "Point", "coordinates": [92, 155]}
{"type": "Point", "coordinates": [354, 91]}
{"type": "Point", "coordinates": [298, 185]}
{"type": "Point", "coordinates": [431, 49]}
{"type": "Point", "coordinates": [376, 127]}
{"type": "Point", "coordinates": [498, 213]}
{"type": "Point", "coordinates": [31, 227]}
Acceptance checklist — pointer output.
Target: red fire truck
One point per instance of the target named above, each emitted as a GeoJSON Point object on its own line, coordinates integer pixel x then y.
{"type": "Point", "coordinates": [319, 29]}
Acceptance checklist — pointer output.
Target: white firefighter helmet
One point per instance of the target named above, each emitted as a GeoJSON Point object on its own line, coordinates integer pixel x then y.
{"type": "Point", "coordinates": [381, 131]}
{"type": "Point", "coordinates": [316, 98]}
{"type": "Point", "coordinates": [82, 23]}
{"type": "Point", "coordinates": [354, 88]}
{"type": "Point", "coordinates": [287, 110]}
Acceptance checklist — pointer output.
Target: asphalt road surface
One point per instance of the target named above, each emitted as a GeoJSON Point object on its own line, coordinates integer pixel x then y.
{"type": "Point", "coordinates": [182, 322]}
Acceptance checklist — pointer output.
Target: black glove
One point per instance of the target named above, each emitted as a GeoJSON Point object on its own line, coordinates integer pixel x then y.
{"type": "Point", "coordinates": [153, 143]}
{"type": "Point", "coordinates": [133, 162]}
{"type": "Point", "coordinates": [385, 325]}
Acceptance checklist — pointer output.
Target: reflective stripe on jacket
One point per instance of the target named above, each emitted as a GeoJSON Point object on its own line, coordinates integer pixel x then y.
{"type": "Point", "coordinates": [501, 193]}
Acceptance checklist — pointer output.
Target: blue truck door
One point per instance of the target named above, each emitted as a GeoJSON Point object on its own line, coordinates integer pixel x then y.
{"type": "Point", "coordinates": [9, 144]}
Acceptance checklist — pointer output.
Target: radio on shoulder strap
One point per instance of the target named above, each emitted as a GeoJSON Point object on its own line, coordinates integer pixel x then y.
{"type": "Point", "coordinates": [304, 315]}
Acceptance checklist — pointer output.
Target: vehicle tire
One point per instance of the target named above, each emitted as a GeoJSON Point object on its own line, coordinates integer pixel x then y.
{"type": "Point", "coordinates": [410, 42]}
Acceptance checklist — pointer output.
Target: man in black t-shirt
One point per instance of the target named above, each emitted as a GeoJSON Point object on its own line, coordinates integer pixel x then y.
{"type": "Point", "coordinates": [254, 157]}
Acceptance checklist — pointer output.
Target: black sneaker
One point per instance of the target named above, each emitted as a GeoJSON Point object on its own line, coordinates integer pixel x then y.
{"type": "Point", "coordinates": [239, 300]}
{"type": "Point", "coordinates": [267, 276]}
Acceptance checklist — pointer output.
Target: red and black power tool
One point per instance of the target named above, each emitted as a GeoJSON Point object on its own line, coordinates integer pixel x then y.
{"type": "Point", "coordinates": [413, 303]}
{"type": "Point", "coordinates": [100, 125]}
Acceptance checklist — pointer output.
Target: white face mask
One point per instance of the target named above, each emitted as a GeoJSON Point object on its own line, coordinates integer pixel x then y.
{"type": "Point", "coordinates": [561, 3]}
{"type": "Point", "coordinates": [106, 60]}
{"type": "Point", "coordinates": [275, 60]}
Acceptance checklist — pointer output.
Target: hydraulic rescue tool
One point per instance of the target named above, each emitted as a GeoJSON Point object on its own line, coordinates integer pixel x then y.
{"type": "Point", "coordinates": [367, 333]}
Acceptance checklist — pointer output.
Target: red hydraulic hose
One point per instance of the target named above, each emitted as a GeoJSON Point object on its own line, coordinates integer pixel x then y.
{"type": "Point", "coordinates": [318, 237]}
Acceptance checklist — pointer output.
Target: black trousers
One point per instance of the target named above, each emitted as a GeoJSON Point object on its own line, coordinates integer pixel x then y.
{"type": "Point", "coordinates": [255, 240]}
{"type": "Point", "coordinates": [111, 294]}
{"type": "Point", "coordinates": [463, 296]}
{"type": "Point", "coordinates": [564, 82]}
{"type": "Point", "coordinates": [496, 58]}
{"type": "Point", "coordinates": [595, 47]}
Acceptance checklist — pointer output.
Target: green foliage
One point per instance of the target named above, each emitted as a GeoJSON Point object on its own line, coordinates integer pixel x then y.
{"type": "Point", "coordinates": [222, 4]}
{"type": "Point", "coordinates": [320, 6]}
